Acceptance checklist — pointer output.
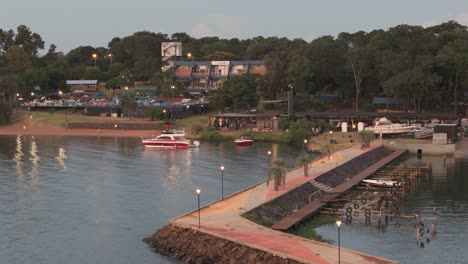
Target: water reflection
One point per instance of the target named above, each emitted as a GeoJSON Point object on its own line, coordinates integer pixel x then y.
{"type": "Point", "coordinates": [34, 158]}
{"type": "Point", "coordinates": [18, 158]}
{"type": "Point", "coordinates": [61, 157]}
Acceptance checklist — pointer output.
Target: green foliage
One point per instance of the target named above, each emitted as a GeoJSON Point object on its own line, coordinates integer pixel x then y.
{"type": "Point", "coordinates": [298, 131]}
{"type": "Point", "coordinates": [213, 136]}
{"type": "Point", "coordinates": [303, 161]}
{"type": "Point", "coordinates": [278, 173]}
{"type": "Point", "coordinates": [307, 228]}
{"type": "Point", "coordinates": [284, 124]}
{"type": "Point", "coordinates": [327, 149]}
{"type": "Point", "coordinates": [270, 137]}
{"type": "Point", "coordinates": [237, 93]}
{"type": "Point", "coordinates": [366, 138]}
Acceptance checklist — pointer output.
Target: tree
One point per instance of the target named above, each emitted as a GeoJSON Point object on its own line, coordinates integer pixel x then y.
{"type": "Point", "coordinates": [237, 93]}
{"type": "Point", "coordinates": [19, 59]}
{"type": "Point", "coordinates": [278, 172]}
{"type": "Point", "coordinates": [304, 161]}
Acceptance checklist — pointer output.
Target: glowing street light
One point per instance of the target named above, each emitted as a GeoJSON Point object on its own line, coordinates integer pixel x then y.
{"type": "Point", "coordinates": [198, 191]}
{"type": "Point", "coordinates": [269, 167]}
{"type": "Point", "coordinates": [338, 224]}
{"type": "Point", "coordinates": [305, 145]}
{"type": "Point", "coordinates": [95, 59]}
{"type": "Point", "coordinates": [222, 182]}
{"type": "Point", "coordinates": [110, 57]}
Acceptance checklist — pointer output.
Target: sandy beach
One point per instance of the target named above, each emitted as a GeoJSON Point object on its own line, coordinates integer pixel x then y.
{"type": "Point", "coordinates": [27, 128]}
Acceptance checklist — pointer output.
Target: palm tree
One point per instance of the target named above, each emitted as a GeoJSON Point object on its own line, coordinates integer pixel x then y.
{"type": "Point", "coordinates": [328, 150]}
{"type": "Point", "coordinates": [304, 160]}
{"type": "Point", "coordinates": [278, 172]}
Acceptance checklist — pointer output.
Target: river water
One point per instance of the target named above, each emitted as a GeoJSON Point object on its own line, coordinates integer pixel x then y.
{"type": "Point", "coordinates": [93, 200]}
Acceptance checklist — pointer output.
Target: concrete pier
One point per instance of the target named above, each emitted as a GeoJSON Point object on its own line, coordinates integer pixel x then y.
{"type": "Point", "coordinates": [223, 218]}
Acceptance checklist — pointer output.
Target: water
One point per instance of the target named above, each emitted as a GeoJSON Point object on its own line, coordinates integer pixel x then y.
{"type": "Point", "coordinates": [446, 189]}
{"type": "Point", "coordinates": [93, 200]}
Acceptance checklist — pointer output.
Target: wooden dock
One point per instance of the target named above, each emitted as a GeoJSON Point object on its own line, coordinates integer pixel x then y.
{"type": "Point", "coordinates": [312, 208]}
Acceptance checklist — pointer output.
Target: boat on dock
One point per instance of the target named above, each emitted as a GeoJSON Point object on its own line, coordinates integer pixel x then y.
{"type": "Point", "coordinates": [386, 127]}
{"type": "Point", "coordinates": [380, 182]}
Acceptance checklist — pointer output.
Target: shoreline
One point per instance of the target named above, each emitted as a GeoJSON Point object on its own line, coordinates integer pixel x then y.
{"type": "Point", "coordinates": [28, 129]}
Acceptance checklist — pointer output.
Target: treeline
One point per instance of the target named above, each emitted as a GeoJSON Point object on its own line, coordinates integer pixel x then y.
{"type": "Point", "coordinates": [427, 68]}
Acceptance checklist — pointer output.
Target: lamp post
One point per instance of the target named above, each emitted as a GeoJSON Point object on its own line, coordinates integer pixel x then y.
{"type": "Point", "coordinates": [172, 95]}
{"type": "Point", "coordinates": [198, 196]}
{"type": "Point", "coordinates": [269, 166]}
{"type": "Point", "coordinates": [95, 59]}
{"type": "Point", "coordinates": [338, 224]}
{"type": "Point", "coordinates": [305, 146]}
{"type": "Point", "coordinates": [331, 136]}
{"type": "Point", "coordinates": [355, 133]}
{"type": "Point", "coordinates": [222, 182]}
{"type": "Point", "coordinates": [110, 57]}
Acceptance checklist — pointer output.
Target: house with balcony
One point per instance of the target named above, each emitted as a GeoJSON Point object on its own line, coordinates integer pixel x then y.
{"type": "Point", "coordinates": [83, 86]}
{"type": "Point", "coordinates": [202, 76]}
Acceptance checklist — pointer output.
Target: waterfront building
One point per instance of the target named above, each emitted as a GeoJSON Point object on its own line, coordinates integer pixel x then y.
{"type": "Point", "coordinates": [201, 76]}
{"type": "Point", "coordinates": [83, 86]}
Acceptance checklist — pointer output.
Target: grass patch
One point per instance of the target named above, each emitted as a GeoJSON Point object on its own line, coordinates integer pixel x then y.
{"type": "Point", "coordinates": [272, 137]}
{"type": "Point", "coordinates": [213, 136]}
{"type": "Point", "coordinates": [307, 229]}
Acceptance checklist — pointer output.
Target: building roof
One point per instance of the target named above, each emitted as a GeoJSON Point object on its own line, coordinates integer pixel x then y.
{"type": "Point", "coordinates": [81, 82]}
{"type": "Point", "coordinates": [383, 100]}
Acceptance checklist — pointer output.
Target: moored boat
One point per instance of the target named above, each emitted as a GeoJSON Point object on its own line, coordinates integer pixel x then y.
{"type": "Point", "coordinates": [380, 182]}
{"type": "Point", "coordinates": [169, 140]}
{"type": "Point", "coordinates": [384, 126]}
{"type": "Point", "coordinates": [243, 142]}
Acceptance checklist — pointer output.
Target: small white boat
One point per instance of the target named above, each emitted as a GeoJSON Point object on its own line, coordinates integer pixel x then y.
{"type": "Point", "coordinates": [380, 182]}
{"type": "Point", "coordinates": [384, 126]}
{"type": "Point", "coordinates": [170, 140]}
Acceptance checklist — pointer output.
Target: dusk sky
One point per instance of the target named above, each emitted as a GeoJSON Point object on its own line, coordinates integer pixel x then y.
{"type": "Point", "coordinates": [69, 24]}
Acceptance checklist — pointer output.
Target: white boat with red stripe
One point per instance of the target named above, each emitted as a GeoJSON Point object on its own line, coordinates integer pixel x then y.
{"type": "Point", "coordinates": [169, 140]}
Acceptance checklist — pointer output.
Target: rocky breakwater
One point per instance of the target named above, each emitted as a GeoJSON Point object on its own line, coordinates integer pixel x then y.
{"type": "Point", "coordinates": [193, 246]}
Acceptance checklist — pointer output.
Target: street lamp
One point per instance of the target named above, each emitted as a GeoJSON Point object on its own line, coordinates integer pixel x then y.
{"type": "Point", "coordinates": [355, 133]}
{"type": "Point", "coordinates": [269, 166]}
{"type": "Point", "coordinates": [198, 196]}
{"type": "Point", "coordinates": [338, 224]}
{"type": "Point", "coordinates": [95, 59]}
{"type": "Point", "coordinates": [331, 136]}
{"type": "Point", "coordinates": [172, 96]}
{"type": "Point", "coordinates": [222, 182]}
{"type": "Point", "coordinates": [110, 57]}
{"type": "Point", "coordinates": [305, 145]}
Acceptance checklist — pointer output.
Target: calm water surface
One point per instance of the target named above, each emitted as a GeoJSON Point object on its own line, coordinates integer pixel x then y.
{"type": "Point", "coordinates": [446, 189]}
{"type": "Point", "coordinates": [92, 200]}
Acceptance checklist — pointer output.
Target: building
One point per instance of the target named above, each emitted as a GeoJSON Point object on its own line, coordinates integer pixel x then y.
{"type": "Point", "coordinates": [83, 86]}
{"type": "Point", "coordinates": [201, 76]}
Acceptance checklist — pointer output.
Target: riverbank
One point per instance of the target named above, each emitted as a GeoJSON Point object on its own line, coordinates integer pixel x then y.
{"type": "Point", "coordinates": [34, 129]}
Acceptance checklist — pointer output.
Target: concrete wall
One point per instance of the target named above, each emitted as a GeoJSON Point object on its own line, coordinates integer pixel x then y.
{"type": "Point", "coordinates": [429, 149]}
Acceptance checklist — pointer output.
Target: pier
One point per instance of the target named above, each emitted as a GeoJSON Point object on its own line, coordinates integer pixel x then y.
{"type": "Point", "coordinates": [223, 218]}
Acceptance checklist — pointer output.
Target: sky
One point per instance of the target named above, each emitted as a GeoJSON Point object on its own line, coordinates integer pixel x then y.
{"type": "Point", "coordinates": [71, 23]}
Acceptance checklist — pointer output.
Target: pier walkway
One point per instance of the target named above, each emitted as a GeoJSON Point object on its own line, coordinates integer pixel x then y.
{"type": "Point", "coordinates": [223, 218]}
